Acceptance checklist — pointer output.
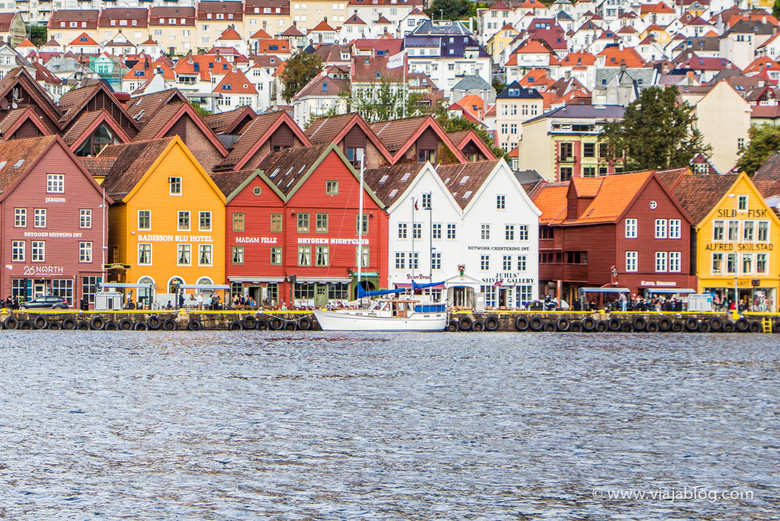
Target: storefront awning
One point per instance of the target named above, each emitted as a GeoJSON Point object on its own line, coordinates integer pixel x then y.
{"type": "Point", "coordinates": [207, 287]}
{"type": "Point", "coordinates": [256, 280]}
{"type": "Point", "coordinates": [681, 291]}
{"type": "Point", "coordinates": [323, 280]}
{"type": "Point", "coordinates": [122, 285]}
{"type": "Point", "coordinates": [409, 286]}
{"type": "Point", "coordinates": [605, 290]}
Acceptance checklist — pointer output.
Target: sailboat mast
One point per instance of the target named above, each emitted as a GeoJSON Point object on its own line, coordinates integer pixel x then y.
{"type": "Point", "coordinates": [360, 221]}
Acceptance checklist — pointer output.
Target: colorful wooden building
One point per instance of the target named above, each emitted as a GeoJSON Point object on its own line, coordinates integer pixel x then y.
{"type": "Point", "coordinates": [167, 223]}
{"type": "Point", "coordinates": [292, 228]}
{"type": "Point", "coordinates": [53, 222]}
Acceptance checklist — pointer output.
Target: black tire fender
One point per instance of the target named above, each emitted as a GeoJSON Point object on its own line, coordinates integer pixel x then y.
{"type": "Point", "coordinates": [716, 324]}
{"type": "Point", "coordinates": [153, 322]}
{"type": "Point", "coordinates": [125, 324]}
{"type": "Point", "coordinates": [169, 325]}
{"type": "Point", "coordinates": [691, 324]}
{"type": "Point", "coordinates": [304, 323]}
{"type": "Point", "coordinates": [521, 324]}
{"type": "Point", "coordinates": [11, 322]}
{"type": "Point", "coordinates": [652, 326]}
{"type": "Point", "coordinates": [478, 325]}
{"type": "Point", "coordinates": [602, 325]}
{"type": "Point", "coordinates": [491, 323]}
{"type": "Point", "coordinates": [549, 325]}
{"type": "Point", "coordinates": [464, 323]}
{"type": "Point", "coordinates": [588, 324]}
{"type": "Point", "coordinates": [83, 325]}
{"type": "Point", "coordinates": [576, 326]}
{"type": "Point", "coordinates": [194, 325]}
{"type": "Point", "coordinates": [678, 326]}
{"type": "Point", "coordinates": [140, 326]}
{"type": "Point", "coordinates": [614, 324]}
{"type": "Point", "coordinates": [728, 327]}
{"type": "Point", "coordinates": [452, 326]}
{"type": "Point", "coordinates": [742, 324]}
{"type": "Point", "coordinates": [290, 325]}
{"type": "Point", "coordinates": [536, 324]}
{"type": "Point", "coordinates": [54, 325]}
{"type": "Point", "coordinates": [40, 322]}
{"type": "Point", "coordinates": [111, 326]}
{"type": "Point", "coordinates": [639, 323]}
{"type": "Point", "coordinates": [97, 323]}
{"type": "Point", "coordinates": [69, 323]}
{"type": "Point", "coordinates": [627, 327]}
{"type": "Point", "coordinates": [236, 326]}
{"type": "Point", "coordinates": [704, 326]}
{"type": "Point", "coordinates": [664, 324]}
{"type": "Point", "coordinates": [26, 324]}
{"type": "Point", "coordinates": [755, 326]}
{"type": "Point", "coordinates": [276, 323]}
{"type": "Point", "coordinates": [249, 322]}
{"type": "Point", "coordinates": [563, 324]}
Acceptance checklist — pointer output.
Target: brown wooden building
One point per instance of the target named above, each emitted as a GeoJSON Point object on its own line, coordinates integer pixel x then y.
{"type": "Point", "coordinates": [52, 221]}
{"type": "Point", "coordinates": [623, 231]}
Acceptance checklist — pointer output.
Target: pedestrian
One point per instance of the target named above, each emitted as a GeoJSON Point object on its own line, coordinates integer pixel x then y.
{"type": "Point", "coordinates": [200, 301]}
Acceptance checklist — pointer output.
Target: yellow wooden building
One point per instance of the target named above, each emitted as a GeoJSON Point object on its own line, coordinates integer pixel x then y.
{"type": "Point", "coordinates": [736, 232]}
{"type": "Point", "coordinates": [167, 223]}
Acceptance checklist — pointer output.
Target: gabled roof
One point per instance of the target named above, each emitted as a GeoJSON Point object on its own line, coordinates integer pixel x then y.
{"type": "Point", "coordinates": [74, 102]}
{"type": "Point", "coordinates": [165, 118]}
{"type": "Point", "coordinates": [335, 128]}
{"type": "Point", "coordinates": [464, 181]}
{"type": "Point", "coordinates": [255, 136]}
{"type": "Point", "coordinates": [323, 27]}
{"type": "Point", "coordinates": [235, 82]}
{"type": "Point", "coordinates": [229, 34]}
{"type": "Point", "coordinates": [87, 123]}
{"type": "Point", "coordinates": [292, 32]}
{"type": "Point", "coordinates": [141, 108]}
{"type": "Point", "coordinates": [464, 138]}
{"type": "Point", "coordinates": [614, 56]}
{"type": "Point", "coordinates": [134, 162]}
{"type": "Point", "coordinates": [697, 193]}
{"type": "Point", "coordinates": [261, 34]}
{"type": "Point", "coordinates": [17, 117]}
{"type": "Point", "coordinates": [399, 135]}
{"type": "Point", "coordinates": [389, 183]}
{"type": "Point", "coordinates": [230, 122]}
{"type": "Point", "coordinates": [19, 156]}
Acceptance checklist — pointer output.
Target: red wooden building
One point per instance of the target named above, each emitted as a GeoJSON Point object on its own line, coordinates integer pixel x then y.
{"type": "Point", "coordinates": [292, 228]}
{"type": "Point", "coordinates": [622, 230]}
{"type": "Point", "coordinates": [52, 221]}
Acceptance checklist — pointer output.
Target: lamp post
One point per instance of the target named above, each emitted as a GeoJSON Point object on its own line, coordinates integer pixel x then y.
{"type": "Point", "coordinates": [736, 259]}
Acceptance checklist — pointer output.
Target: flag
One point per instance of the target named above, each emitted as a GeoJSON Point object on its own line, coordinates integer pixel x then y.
{"type": "Point", "coordinates": [396, 60]}
{"type": "Point", "coordinates": [498, 283]}
{"type": "Point", "coordinates": [415, 204]}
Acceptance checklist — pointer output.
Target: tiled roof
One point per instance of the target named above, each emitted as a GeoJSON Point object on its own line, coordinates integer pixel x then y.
{"type": "Point", "coordinates": [81, 125]}
{"type": "Point", "coordinates": [394, 134]}
{"type": "Point", "coordinates": [390, 182]}
{"type": "Point", "coordinates": [550, 199]}
{"type": "Point", "coordinates": [249, 137]}
{"type": "Point", "coordinates": [224, 121]}
{"type": "Point", "coordinates": [767, 178]}
{"type": "Point", "coordinates": [16, 156]}
{"type": "Point", "coordinates": [131, 162]}
{"type": "Point", "coordinates": [141, 108]}
{"type": "Point", "coordinates": [697, 193]}
{"type": "Point", "coordinates": [235, 82]}
{"type": "Point", "coordinates": [286, 168]}
{"type": "Point", "coordinates": [325, 130]}
{"type": "Point", "coordinates": [229, 180]}
{"type": "Point", "coordinates": [463, 181]}
{"type": "Point", "coordinates": [97, 166]}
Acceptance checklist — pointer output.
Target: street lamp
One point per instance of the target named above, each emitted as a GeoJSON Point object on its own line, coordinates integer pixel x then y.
{"type": "Point", "coordinates": [736, 259]}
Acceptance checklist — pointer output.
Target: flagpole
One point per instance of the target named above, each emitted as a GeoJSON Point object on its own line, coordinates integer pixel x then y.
{"type": "Point", "coordinates": [360, 222]}
{"type": "Point", "coordinates": [412, 259]}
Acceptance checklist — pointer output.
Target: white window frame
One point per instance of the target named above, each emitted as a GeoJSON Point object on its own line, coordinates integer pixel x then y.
{"type": "Point", "coordinates": [632, 261]}
{"type": "Point", "coordinates": [631, 228]}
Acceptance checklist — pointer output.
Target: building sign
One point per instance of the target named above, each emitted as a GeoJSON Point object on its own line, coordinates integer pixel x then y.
{"type": "Point", "coordinates": [256, 240]}
{"type": "Point", "coordinates": [749, 214]}
{"type": "Point", "coordinates": [43, 270]}
{"type": "Point", "coordinates": [54, 235]}
{"type": "Point", "coordinates": [326, 240]}
{"type": "Point", "coordinates": [740, 246]}
{"type": "Point", "coordinates": [499, 248]}
{"type": "Point", "coordinates": [175, 238]}
{"type": "Point", "coordinates": [658, 284]}
{"type": "Point", "coordinates": [507, 278]}
{"type": "Point", "coordinates": [419, 276]}
{"type": "Point", "coordinates": [55, 199]}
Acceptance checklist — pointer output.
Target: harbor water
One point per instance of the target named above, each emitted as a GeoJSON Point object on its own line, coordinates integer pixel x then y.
{"type": "Point", "coordinates": [301, 425]}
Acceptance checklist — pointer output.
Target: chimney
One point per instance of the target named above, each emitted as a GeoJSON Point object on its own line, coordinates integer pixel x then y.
{"type": "Point", "coordinates": [690, 77]}
{"type": "Point", "coordinates": [567, 75]}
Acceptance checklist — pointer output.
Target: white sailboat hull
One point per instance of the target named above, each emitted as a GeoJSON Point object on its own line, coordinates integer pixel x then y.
{"type": "Point", "coordinates": [364, 321]}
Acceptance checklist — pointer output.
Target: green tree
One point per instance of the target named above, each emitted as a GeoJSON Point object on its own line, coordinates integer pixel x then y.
{"type": "Point", "coordinates": [498, 85]}
{"type": "Point", "coordinates": [656, 132]}
{"type": "Point", "coordinates": [764, 141]}
{"type": "Point", "coordinates": [200, 110]}
{"type": "Point", "coordinates": [776, 8]}
{"type": "Point", "coordinates": [451, 9]}
{"type": "Point", "coordinates": [298, 72]}
{"type": "Point", "coordinates": [384, 103]}
{"type": "Point", "coordinates": [38, 34]}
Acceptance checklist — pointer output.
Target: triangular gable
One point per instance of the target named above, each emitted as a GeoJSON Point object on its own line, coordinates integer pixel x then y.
{"type": "Point", "coordinates": [357, 120]}
{"type": "Point", "coordinates": [246, 182]}
{"type": "Point", "coordinates": [430, 123]}
{"type": "Point", "coordinates": [54, 140]}
{"type": "Point", "coordinates": [168, 121]}
{"type": "Point", "coordinates": [18, 87]}
{"type": "Point", "coordinates": [428, 169]}
{"type": "Point", "coordinates": [502, 165]}
{"type": "Point", "coordinates": [26, 117]}
{"type": "Point", "coordinates": [141, 108]}
{"type": "Point", "coordinates": [100, 98]}
{"type": "Point", "coordinates": [741, 178]}
{"type": "Point", "coordinates": [175, 141]}
{"type": "Point", "coordinates": [283, 119]}
{"type": "Point", "coordinates": [87, 124]}
{"type": "Point", "coordinates": [654, 178]}
{"type": "Point", "coordinates": [472, 138]}
{"type": "Point", "coordinates": [230, 122]}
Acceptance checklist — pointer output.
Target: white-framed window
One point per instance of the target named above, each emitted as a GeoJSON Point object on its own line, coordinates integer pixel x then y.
{"type": "Point", "coordinates": [506, 263]}
{"type": "Point", "coordinates": [451, 231]}
{"type": "Point", "coordinates": [763, 231]}
{"type": "Point", "coordinates": [85, 218]}
{"type": "Point", "coordinates": [762, 263]}
{"type": "Point", "coordinates": [485, 232]}
{"type": "Point", "coordinates": [631, 260]}
{"type": "Point", "coordinates": [674, 261]}
{"type": "Point", "coordinates": [660, 228]}
{"type": "Point", "coordinates": [400, 260]}
{"type": "Point", "coordinates": [631, 229]}
{"type": "Point", "coordinates": [20, 217]}
{"type": "Point", "coordinates": [17, 251]}
{"type": "Point", "coordinates": [522, 263]}
{"type": "Point", "coordinates": [733, 231]}
{"type": "Point", "coordinates": [718, 229]}
{"type": "Point", "coordinates": [204, 222]}
{"type": "Point", "coordinates": [660, 262]}
{"type": "Point", "coordinates": [85, 252]}
{"type": "Point", "coordinates": [38, 249]}
{"type": "Point", "coordinates": [731, 263]}
{"type": "Point", "coordinates": [174, 185]}
{"type": "Point", "coordinates": [717, 263]}
{"type": "Point", "coordinates": [500, 202]}
{"type": "Point", "coordinates": [509, 232]}
{"type": "Point", "coordinates": [144, 219]}
{"type": "Point", "coordinates": [426, 201]}
{"type": "Point", "coordinates": [238, 255]}
{"type": "Point", "coordinates": [183, 254]}
{"type": "Point", "coordinates": [144, 254]}
{"type": "Point", "coordinates": [436, 231]}
{"type": "Point", "coordinates": [276, 255]}
{"type": "Point", "coordinates": [402, 230]}
{"type": "Point", "coordinates": [414, 260]}
{"type": "Point", "coordinates": [39, 220]}
{"type": "Point", "coordinates": [748, 229]}
{"type": "Point", "coordinates": [747, 263]}
{"type": "Point", "coordinates": [675, 228]}
{"type": "Point", "coordinates": [322, 256]}
{"type": "Point", "coordinates": [484, 262]}
{"type": "Point", "coordinates": [55, 183]}
{"type": "Point", "coordinates": [742, 203]}
{"type": "Point", "coordinates": [417, 231]}
{"type": "Point", "coordinates": [183, 221]}
{"type": "Point", "coordinates": [522, 232]}
{"type": "Point", "coordinates": [436, 261]}
{"type": "Point", "coordinates": [204, 254]}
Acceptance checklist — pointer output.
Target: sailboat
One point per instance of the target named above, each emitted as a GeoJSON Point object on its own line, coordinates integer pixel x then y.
{"type": "Point", "coordinates": [384, 314]}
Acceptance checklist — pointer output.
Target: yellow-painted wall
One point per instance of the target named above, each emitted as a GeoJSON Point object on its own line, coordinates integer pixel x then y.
{"type": "Point", "coordinates": [199, 194]}
{"type": "Point", "coordinates": [727, 210]}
